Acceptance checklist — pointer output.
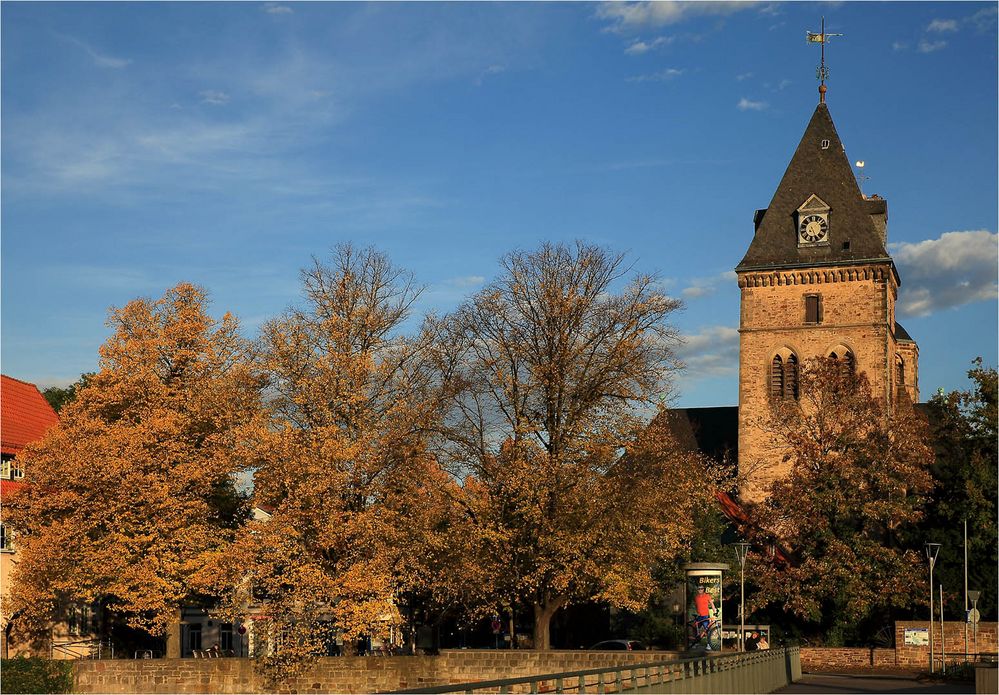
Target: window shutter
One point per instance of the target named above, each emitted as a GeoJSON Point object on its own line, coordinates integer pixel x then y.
{"type": "Point", "coordinates": [791, 378]}
{"type": "Point", "coordinates": [813, 309]}
{"type": "Point", "coordinates": [777, 378]}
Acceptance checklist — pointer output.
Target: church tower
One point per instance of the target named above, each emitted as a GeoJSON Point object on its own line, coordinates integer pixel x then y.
{"type": "Point", "coordinates": [817, 281]}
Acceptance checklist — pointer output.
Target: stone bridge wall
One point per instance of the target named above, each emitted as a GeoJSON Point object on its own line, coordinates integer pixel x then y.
{"type": "Point", "coordinates": [366, 674]}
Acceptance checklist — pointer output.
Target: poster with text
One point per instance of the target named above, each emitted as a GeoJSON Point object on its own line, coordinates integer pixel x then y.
{"type": "Point", "coordinates": [704, 610]}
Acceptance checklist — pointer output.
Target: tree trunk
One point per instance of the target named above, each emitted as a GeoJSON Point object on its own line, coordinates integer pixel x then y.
{"type": "Point", "coordinates": [543, 613]}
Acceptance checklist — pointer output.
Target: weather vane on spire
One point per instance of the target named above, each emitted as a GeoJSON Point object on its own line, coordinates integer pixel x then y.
{"type": "Point", "coordinates": [823, 72]}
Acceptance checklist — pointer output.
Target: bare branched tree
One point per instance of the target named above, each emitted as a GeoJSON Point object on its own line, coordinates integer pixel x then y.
{"type": "Point", "coordinates": [554, 370]}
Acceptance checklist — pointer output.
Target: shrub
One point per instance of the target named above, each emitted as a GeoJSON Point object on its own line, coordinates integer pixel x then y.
{"type": "Point", "coordinates": [36, 675]}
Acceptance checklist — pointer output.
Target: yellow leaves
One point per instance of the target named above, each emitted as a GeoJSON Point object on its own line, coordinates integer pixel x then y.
{"type": "Point", "coordinates": [127, 486]}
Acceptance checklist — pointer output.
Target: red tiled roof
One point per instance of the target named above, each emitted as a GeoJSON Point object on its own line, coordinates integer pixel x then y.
{"type": "Point", "coordinates": [9, 486]}
{"type": "Point", "coordinates": [747, 527]}
{"type": "Point", "coordinates": [25, 415]}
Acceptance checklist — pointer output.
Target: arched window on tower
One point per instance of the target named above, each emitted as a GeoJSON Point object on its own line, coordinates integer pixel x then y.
{"type": "Point", "coordinates": [791, 377]}
{"type": "Point", "coordinates": [784, 376]}
{"type": "Point", "coordinates": [777, 378]}
{"type": "Point", "coordinates": [844, 356]}
{"type": "Point", "coordinates": [899, 375]}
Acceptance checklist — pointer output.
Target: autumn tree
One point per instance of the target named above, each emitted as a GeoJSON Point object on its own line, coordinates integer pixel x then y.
{"type": "Point", "coordinates": [127, 498]}
{"type": "Point", "coordinates": [344, 467]}
{"type": "Point", "coordinates": [554, 373]}
{"type": "Point", "coordinates": [858, 480]}
{"type": "Point", "coordinates": [964, 434]}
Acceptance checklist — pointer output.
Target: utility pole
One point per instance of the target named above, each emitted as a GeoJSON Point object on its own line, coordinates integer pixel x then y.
{"type": "Point", "coordinates": [965, 590]}
{"type": "Point", "coordinates": [943, 637]}
{"type": "Point", "coordinates": [741, 549]}
{"type": "Point", "coordinates": [932, 549]}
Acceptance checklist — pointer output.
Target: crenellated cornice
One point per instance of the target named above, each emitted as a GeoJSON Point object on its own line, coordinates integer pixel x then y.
{"type": "Point", "coordinates": [815, 276]}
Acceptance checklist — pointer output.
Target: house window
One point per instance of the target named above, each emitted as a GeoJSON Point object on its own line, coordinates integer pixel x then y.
{"type": "Point", "coordinates": [79, 619]}
{"type": "Point", "coordinates": [6, 539]}
{"type": "Point", "coordinates": [194, 637]}
{"type": "Point", "coordinates": [11, 469]}
{"type": "Point", "coordinates": [225, 637]}
{"type": "Point", "coordinates": [813, 308]}
{"type": "Point", "coordinates": [899, 375]}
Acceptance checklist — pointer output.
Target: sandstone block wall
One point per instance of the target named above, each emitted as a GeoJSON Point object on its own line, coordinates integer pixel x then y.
{"type": "Point", "coordinates": [953, 642]}
{"type": "Point", "coordinates": [857, 312]}
{"type": "Point", "coordinates": [834, 658]}
{"type": "Point", "coordinates": [340, 674]}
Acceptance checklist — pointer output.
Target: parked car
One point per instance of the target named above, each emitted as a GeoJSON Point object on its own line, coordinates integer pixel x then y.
{"type": "Point", "coordinates": [631, 645]}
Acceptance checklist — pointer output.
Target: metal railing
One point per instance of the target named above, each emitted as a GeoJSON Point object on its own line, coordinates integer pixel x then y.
{"type": "Point", "coordinates": [747, 672]}
{"type": "Point", "coordinates": [82, 649]}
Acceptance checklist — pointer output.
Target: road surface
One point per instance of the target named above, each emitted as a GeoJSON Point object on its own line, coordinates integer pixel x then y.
{"type": "Point", "coordinates": [873, 683]}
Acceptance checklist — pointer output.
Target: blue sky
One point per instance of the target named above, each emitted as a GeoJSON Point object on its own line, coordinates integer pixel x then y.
{"type": "Point", "coordinates": [226, 143]}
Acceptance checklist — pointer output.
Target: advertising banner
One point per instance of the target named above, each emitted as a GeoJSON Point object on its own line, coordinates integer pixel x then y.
{"type": "Point", "coordinates": [704, 610]}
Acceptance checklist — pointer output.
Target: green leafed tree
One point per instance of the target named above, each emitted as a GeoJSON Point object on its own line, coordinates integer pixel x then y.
{"type": "Point", "coordinates": [963, 424]}
{"type": "Point", "coordinates": [59, 397]}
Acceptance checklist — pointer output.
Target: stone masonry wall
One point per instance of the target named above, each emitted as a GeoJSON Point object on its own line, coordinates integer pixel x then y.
{"type": "Point", "coordinates": [834, 658]}
{"type": "Point", "coordinates": [909, 657]}
{"type": "Point", "coordinates": [856, 311]}
{"type": "Point", "coordinates": [953, 642]}
{"type": "Point", "coordinates": [340, 674]}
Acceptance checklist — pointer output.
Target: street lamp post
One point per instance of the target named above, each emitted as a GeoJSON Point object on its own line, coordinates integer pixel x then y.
{"type": "Point", "coordinates": [741, 550]}
{"type": "Point", "coordinates": [973, 595]}
{"type": "Point", "coordinates": [931, 554]}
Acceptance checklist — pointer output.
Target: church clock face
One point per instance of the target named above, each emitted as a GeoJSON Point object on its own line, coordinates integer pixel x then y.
{"type": "Point", "coordinates": [813, 229]}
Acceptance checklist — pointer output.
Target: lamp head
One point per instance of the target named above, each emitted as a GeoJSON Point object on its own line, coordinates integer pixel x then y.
{"type": "Point", "coordinates": [973, 595]}
{"type": "Point", "coordinates": [931, 551]}
{"type": "Point", "coordinates": [741, 550]}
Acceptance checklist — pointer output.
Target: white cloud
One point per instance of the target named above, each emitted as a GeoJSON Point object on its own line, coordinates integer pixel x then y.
{"type": "Point", "coordinates": [942, 25]}
{"type": "Point", "coordinates": [899, 45]}
{"type": "Point", "coordinates": [659, 76]}
{"type": "Point", "coordinates": [213, 96]}
{"type": "Point", "coordinates": [638, 47]}
{"type": "Point", "coordinates": [743, 76]}
{"type": "Point", "coordinates": [702, 287]}
{"type": "Point", "coordinates": [100, 59]}
{"type": "Point", "coordinates": [985, 18]}
{"type": "Point", "coordinates": [491, 70]}
{"type": "Point", "coordinates": [926, 46]}
{"type": "Point", "coordinates": [714, 351]}
{"type": "Point", "coordinates": [630, 16]}
{"type": "Point", "coordinates": [467, 281]}
{"type": "Point", "coordinates": [275, 8]}
{"type": "Point", "coordinates": [957, 268]}
{"type": "Point", "coordinates": [750, 105]}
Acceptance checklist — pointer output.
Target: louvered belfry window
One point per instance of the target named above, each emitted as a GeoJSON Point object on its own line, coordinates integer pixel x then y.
{"type": "Point", "coordinates": [777, 378]}
{"type": "Point", "coordinates": [791, 378]}
{"type": "Point", "coordinates": [847, 362]}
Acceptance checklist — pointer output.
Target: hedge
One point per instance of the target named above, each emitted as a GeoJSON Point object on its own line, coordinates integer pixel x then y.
{"type": "Point", "coordinates": [36, 675]}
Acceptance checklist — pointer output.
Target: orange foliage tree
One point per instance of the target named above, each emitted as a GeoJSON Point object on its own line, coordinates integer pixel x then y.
{"type": "Point", "coordinates": [858, 482]}
{"type": "Point", "coordinates": [133, 492]}
{"type": "Point", "coordinates": [552, 374]}
{"type": "Point", "coordinates": [345, 470]}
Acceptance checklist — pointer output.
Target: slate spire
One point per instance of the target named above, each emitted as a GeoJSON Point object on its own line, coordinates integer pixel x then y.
{"type": "Point", "coordinates": [819, 167]}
